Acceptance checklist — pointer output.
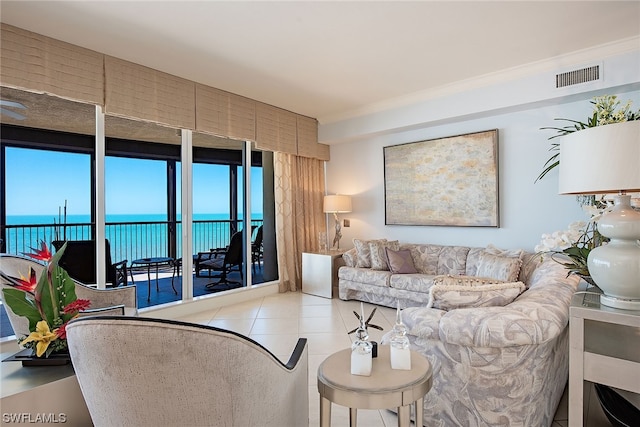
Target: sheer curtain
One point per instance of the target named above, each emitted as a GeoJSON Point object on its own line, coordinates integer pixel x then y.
{"type": "Point", "coordinates": [299, 191]}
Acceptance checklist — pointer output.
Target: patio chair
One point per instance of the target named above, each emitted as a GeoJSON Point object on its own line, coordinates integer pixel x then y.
{"type": "Point", "coordinates": [223, 261]}
{"type": "Point", "coordinates": [79, 259]}
{"type": "Point", "coordinates": [112, 301]}
{"type": "Point", "coordinates": [256, 249]}
{"type": "Point", "coordinates": [210, 376]}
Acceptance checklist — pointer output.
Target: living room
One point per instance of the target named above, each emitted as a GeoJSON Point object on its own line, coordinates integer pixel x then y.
{"type": "Point", "coordinates": [517, 102]}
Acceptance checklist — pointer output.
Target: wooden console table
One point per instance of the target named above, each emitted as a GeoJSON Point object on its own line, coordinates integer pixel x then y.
{"type": "Point", "coordinates": [604, 348]}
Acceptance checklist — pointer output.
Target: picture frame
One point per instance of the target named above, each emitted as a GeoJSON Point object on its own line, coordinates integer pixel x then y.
{"type": "Point", "coordinates": [450, 181]}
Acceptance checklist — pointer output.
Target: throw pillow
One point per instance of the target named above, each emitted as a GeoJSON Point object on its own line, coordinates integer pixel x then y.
{"type": "Point", "coordinates": [498, 267]}
{"type": "Point", "coordinates": [378, 256]}
{"type": "Point", "coordinates": [350, 257]}
{"type": "Point", "coordinates": [448, 280]}
{"type": "Point", "coordinates": [450, 297]}
{"type": "Point", "coordinates": [400, 262]}
{"type": "Point", "coordinates": [364, 252]}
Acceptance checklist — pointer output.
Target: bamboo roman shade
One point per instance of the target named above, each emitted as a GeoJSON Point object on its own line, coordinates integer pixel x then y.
{"type": "Point", "coordinates": [139, 92]}
{"type": "Point", "coordinates": [36, 63]}
{"type": "Point", "coordinates": [308, 139]}
{"type": "Point", "coordinates": [224, 113]}
{"type": "Point", "coordinates": [276, 129]}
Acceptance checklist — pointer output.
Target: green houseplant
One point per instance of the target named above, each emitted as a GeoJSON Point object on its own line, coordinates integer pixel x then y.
{"type": "Point", "coordinates": [48, 303]}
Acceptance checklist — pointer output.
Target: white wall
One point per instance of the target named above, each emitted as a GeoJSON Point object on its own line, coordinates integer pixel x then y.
{"type": "Point", "coordinates": [527, 209]}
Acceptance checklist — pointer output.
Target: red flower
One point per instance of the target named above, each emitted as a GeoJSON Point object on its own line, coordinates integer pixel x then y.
{"type": "Point", "coordinates": [61, 332]}
{"type": "Point", "coordinates": [76, 306]}
{"type": "Point", "coordinates": [42, 254]}
{"type": "Point", "coordinates": [27, 284]}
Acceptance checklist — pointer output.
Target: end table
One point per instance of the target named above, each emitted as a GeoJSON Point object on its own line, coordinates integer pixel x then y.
{"type": "Point", "coordinates": [603, 348]}
{"type": "Point", "coordinates": [385, 388]}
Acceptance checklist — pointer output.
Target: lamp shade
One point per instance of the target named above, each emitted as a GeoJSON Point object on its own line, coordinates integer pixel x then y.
{"type": "Point", "coordinates": [602, 159]}
{"type": "Point", "coordinates": [337, 203]}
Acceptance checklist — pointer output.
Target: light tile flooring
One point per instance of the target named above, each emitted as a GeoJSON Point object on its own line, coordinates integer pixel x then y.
{"type": "Point", "coordinates": [278, 321]}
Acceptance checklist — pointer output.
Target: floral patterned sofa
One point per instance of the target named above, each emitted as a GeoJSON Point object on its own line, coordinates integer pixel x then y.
{"type": "Point", "coordinates": [495, 362]}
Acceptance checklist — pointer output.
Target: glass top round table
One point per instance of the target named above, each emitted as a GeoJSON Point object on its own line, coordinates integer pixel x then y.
{"type": "Point", "coordinates": [385, 388]}
{"type": "Point", "coordinates": [154, 261]}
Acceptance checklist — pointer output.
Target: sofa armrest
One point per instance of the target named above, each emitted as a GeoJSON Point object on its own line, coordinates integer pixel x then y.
{"type": "Point", "coordinates": [421, 322]}
{"type": "Point", "coordinates": [539, 315]}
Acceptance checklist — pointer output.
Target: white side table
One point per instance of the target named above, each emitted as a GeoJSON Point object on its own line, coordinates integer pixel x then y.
{"type": "Point", "coordinates": [604, 348]}
{"type": "Point", "coordinates": [385, 388]}
{"type": "Point", "coordinates": [320, 272]}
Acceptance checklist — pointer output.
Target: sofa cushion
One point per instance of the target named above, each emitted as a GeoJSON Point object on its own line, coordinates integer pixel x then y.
{"type": "Point", "coordinates": [366, 276]}
{"type": "Point", "coordinates": [350, 257]}
{"type": "Point", "coordinates": [449, 297]}
{"type": "Point", "coordinates": [425, 257]}
{"type": "Point", "coordinates": [473, 259]}
{"type": "Point", "coordinates": [499, 267]}
{"type": "Point", "coordinates": [509, 253]}
{"type": "Point", "coordinates": [378, 255]}
{"type": "Point", "coordinates": [452, 260]}
{"type": "Point", "coordinates": [364, 251]}
{"type": "Point", "coordinates": [400, 261]}
{"type": "Point", "coordinates": [411, 282]}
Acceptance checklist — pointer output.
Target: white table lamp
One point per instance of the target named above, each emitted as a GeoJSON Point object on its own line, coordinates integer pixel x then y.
{"type": "Point", "coordinates": [336, 204]}
{"type": "Point", "coordinates": [601, 160]}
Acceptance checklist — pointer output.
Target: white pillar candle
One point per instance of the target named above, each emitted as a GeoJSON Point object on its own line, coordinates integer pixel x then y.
{"type": "Point", "coordinates": [361, 363]}
{"type": "Point", "coordinates": [400, 358]}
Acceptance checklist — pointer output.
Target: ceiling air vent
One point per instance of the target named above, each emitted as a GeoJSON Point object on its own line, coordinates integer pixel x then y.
{"type": "Point", "coordinates": [575, 77]}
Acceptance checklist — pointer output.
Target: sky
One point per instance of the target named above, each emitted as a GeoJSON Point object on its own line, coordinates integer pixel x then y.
{"type": "Point", "coordinates": [39, 182]}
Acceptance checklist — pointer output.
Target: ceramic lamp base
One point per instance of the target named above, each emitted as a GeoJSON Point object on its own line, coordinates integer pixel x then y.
{"type": "Point", "coordinates": [624, 304]}
{"type": "Point", "coordinates": [615, 266]}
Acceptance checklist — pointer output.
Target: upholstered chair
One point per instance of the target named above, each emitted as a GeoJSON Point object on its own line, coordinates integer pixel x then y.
{"type": "Point", "coordinates": [136, 371]}
{"type": "Point", "coordinates": [103, 301]}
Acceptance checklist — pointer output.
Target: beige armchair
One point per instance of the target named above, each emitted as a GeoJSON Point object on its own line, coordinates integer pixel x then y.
{"type": "Point", "coordinates": [109, 301]}
{"type": "Point", "coordinates": [152, 372]}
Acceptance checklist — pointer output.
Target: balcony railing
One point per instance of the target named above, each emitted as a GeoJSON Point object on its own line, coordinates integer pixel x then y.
{"type": "Point", "coordinates": [128, 240]}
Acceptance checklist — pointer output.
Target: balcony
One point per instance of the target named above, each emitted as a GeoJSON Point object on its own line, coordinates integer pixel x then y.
{"type": "Point", "coordinates": [136, 240]}
{"type": "Point", "coordinates": [129, 240]}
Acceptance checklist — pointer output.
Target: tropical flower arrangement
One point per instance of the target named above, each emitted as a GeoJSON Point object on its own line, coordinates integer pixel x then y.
{"type": "Point", "coordinates": [606, 110]}
{"type": "Point", "coordinates": [48, 303]}
{"type": "Point", "coordinates": [571, 247]}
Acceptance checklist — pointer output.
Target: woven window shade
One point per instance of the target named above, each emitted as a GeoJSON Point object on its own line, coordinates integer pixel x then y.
{"type": "Point", "coordinates": [224, 113]}
{"type": "Point", "coordinates": [139, 92]}
{"type": "Point", "coordinates": [275, 129]}
{"type": "Point", "coordinates": [308, 139]}
{"type": "Point", "coordinates": [37, 63]}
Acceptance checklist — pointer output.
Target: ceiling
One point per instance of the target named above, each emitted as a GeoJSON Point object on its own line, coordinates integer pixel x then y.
{"type": "Point", "coordinates": [324, 59]}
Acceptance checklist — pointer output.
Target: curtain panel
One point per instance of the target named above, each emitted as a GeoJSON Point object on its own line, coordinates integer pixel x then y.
{"type": "Point", "coordinates": [299, 191]}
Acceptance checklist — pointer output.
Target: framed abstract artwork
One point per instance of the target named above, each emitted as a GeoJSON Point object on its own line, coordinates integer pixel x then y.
{"type": "Point", "coordinates": [450, 181]}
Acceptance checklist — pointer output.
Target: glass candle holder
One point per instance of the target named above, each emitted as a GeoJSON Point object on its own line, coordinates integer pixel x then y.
{"type": "Point", "coordinates": [361, 350]}
{"type": "Point", "coordinates": [400, 351]}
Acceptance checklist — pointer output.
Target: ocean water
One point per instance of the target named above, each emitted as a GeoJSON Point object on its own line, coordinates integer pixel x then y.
{"type": "Point", "coordinates": [80, 219]}
{"type": "Point", "coordinates": [130, 236]}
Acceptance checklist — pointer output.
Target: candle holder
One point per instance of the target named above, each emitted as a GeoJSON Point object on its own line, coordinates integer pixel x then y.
{"type": "Point", "coordinates": [366, 326]}
{"type": "Point", "coordinates": [400, 351]}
